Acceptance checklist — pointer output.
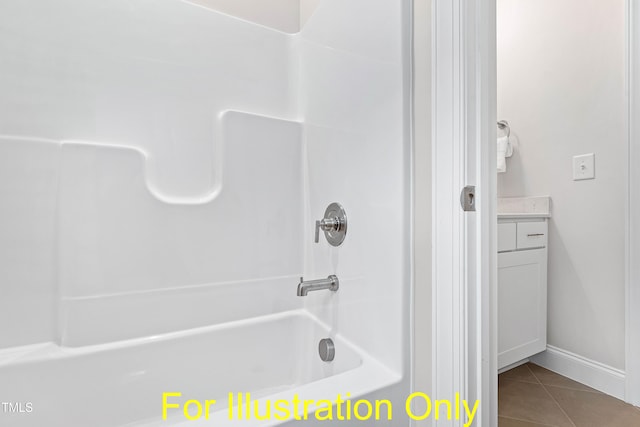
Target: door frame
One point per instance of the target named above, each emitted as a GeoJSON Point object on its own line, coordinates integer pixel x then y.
{"type": "Point", "coordinates": [464, 244]}
{"type": "Point", "coordinates": [464, 262]}
{"type": "Point", "coordinates": [632, 294]}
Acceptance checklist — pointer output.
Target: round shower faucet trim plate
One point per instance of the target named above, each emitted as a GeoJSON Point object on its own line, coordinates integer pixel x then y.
{"type": "Point", "coordinates": [334, 225]}
{"type": "Point", "coordinates": [327, 350]}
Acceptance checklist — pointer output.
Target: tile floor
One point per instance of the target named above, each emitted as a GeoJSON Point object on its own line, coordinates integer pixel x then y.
{"type": "Point", "coordinates": [532, 396]}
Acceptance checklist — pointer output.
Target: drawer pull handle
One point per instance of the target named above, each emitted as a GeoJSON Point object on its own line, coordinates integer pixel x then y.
{"type": "Point", "coordinates": [535, 235]}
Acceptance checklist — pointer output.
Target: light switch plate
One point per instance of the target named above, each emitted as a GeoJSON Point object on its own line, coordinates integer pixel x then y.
{"type": "Point", "coordinates": [584, 167]}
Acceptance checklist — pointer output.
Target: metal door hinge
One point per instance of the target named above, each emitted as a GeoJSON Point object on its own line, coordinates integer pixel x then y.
{"type": "Point", "coordinates": [468, 198]}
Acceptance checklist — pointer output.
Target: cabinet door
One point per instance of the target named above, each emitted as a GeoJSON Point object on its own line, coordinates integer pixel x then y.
{"type": "Point", "coordinates": [522, 305]}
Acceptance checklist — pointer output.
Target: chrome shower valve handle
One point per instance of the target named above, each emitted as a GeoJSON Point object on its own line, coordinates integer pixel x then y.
{"type": "Point", "coordinates": [334, 225]}
{"type": "Point", "coordinates": [327, 224]}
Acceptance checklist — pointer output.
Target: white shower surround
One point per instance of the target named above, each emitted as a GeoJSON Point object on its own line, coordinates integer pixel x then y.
{"type": "Point", "coordinates": [162, 166]}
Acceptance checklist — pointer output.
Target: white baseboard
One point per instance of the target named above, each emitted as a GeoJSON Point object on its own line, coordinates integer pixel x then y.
{"type": "Point", "coordinates": [596, 375]}
{"type": "Point", "coordinates": [513, 365]}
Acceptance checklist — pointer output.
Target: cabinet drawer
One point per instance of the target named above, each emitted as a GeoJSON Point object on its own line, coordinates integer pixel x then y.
{"type": "Point", "coordinates": [506, 236]}
{"type": "Point", "coordinates": [532, 235]}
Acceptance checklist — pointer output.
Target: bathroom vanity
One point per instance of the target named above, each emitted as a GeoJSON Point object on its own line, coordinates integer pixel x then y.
{"type": "Point", "coordinates": [522, 278]}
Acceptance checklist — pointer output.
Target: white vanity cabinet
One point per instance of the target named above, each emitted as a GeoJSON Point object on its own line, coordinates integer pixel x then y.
{"type": "Point", "coordinates": [522, 288]}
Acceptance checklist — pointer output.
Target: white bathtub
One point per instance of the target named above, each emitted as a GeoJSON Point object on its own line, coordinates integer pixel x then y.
{"type": "Point", "coordinates": [121, 384]}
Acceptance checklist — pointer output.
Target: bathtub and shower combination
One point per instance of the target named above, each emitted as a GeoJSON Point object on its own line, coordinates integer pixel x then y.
{"type": "Point", "coordinates": [164, 169]}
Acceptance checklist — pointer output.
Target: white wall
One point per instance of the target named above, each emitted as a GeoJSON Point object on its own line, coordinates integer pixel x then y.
{"type": "Point", "coordinates": [307, 8]}
{"type": "Point", "coordinates": [561, 87]}
{"type": "Point", "coordinates": [283, 15]}
{"type": "Point", "coordinates": [288, 16]}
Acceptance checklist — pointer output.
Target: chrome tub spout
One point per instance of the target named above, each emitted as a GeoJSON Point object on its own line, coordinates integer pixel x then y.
{"type": "Point", "coordinates": [330, 283]}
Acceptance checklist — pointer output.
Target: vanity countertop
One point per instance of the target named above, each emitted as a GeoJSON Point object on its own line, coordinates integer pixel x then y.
{"type": "Point", "coordinates": [524, 207]}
